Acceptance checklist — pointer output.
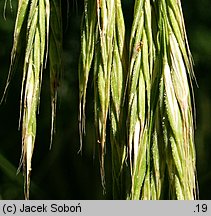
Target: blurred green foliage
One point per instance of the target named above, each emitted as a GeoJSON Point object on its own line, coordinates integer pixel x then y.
{"type": "Point", "coordinates": [62, 173]}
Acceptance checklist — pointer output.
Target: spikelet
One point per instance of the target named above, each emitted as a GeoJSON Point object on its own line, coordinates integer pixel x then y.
{"type": "Point", "coordinates": [117, 109]}
{"type": "Point", "coordinates": [88, 31]}
{"type": "Point", "coordinates": [31, 84]}
{"type": "Point", "coordinates": [32, 26]}
{"type": "Point", "coordinates": [160, 120]}
{"type": "Point", "coordinates": [175, 70]}
{"type": "Point", "coordinates": [102, 43]}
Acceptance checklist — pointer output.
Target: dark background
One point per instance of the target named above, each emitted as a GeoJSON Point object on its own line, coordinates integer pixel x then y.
{"type": "Point", "coordinates": [62, 173]}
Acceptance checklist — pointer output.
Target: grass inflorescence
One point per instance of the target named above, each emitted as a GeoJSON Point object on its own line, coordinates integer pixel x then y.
{"type": "Point", "coordinates": [142, 91]}
{"type": "Point", "coordinates": [142, 95]}
{"type": "Point", "coordinates": [38, 23]}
